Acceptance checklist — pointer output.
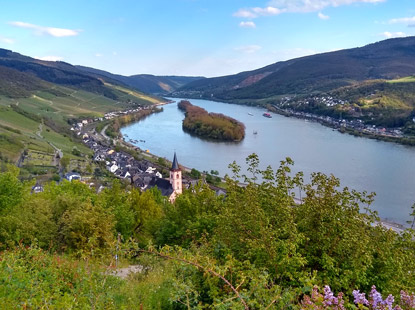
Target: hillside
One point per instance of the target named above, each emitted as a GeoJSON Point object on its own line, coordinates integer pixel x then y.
{"type": "Point", "coordinates": [36, 114]}
{"type": "Point", "coordinates": [60, 73]}
{"type": "Point", "coordinates": [388, 59]}
{"type": "Point", "coordinates": [160, 85]}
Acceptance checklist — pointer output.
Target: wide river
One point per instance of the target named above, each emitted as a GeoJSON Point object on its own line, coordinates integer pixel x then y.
{"type": "Point", "coordinates": [362, 164]}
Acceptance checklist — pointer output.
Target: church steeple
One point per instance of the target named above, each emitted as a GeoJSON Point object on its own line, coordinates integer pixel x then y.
{"type": "Point", "coordinates": [175, 164]}
{"type": "Point", "coordinates": [175, 178]}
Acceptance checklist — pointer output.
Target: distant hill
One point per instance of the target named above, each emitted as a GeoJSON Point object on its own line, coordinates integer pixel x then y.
{"type": "Point", "coordinates": [60, 73]}
{"type": "Point", "coordinates": [388, 59]}
{"type": "Point", "coordinates": [160, 85]}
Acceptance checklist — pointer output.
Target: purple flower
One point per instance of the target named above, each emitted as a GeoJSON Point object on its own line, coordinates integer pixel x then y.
{"type": "Point", "coordinates": [389, 301]}
{"type": "Point", "coordinates": [329, 298]}
{"type": "Point", "coordinates": [360, 298]}
{"type": "Point", "coordinates": [408, 300]}
{"type": "Point", "coordinates": [376, 297]}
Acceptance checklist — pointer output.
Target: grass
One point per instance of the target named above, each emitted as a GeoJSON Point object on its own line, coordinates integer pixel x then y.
{"type": "Point", "coordinates": [65, 144]}
{"type": "Point", "coordinates": [384, 102]}
{"type": "Point", "coordinates": [15, 120]}
{"type": "Point", "coordinates": [133, 95]}
{"type": "Point", "coordinates": [36, 279]}
{"type": "Point", "coordinates": [37, 158]}
{"type": "Point", "coordinates": [407, 79]}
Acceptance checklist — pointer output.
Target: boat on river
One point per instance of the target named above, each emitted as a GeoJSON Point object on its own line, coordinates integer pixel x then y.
{"type": "Point", "coordinates": [267, 115]}
{"type": "Point", "coordinates": [249, 113]}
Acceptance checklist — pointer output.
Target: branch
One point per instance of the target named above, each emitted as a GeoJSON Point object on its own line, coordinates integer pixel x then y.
{"type": "Point", "coordinates": [203, 268]}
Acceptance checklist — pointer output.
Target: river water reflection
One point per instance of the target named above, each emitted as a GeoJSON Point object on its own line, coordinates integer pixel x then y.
{"type": "Point", "coordinates": [363, 164]}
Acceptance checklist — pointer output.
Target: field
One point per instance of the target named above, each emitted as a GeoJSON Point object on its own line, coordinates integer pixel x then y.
{"type": "Point", "coordinates": [129, 94]}
{"type": "Point", "coordinates": [38, 158]}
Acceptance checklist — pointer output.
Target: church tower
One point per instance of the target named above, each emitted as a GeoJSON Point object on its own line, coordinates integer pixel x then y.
{"type": "Point", "coordinates": [175, 178]}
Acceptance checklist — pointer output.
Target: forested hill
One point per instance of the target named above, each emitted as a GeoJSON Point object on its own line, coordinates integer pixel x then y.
{"type": "Point", "coordinates": [58, 72]}
{"type": "Point", "coordinates": [388, 59]}
{"type": "Point", "coordinates": [148, 83]}
{"type": "Point", "coordinates": [88, 79]}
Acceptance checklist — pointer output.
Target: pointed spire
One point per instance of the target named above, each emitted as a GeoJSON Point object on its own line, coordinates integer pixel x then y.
{"type": "Point", "coordinates": [175, 164]}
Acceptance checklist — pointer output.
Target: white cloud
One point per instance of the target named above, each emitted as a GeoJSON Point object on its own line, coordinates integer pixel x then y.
{"type": "Point", "coordinates": [248, 49]}
{"type": "Point", "coordinates": [410, 21]}
{"type": "Point", "coordinates": [276, 7]}
{"type": "Point", "coordinates": [50, 58]}
{"type": "Point", "coordinates": [98, 55]}
{"type": "Point", "coordinates": [51, 31]}
{"type": "Point", "coordinates": [314, 5]}
{"type": "Point", "coordinates": [257, 11]}
{"type": "Point", "coordinates": [322, 16]}
{"type": "Point", "coordinates": [247, 24]}
{"type": "Point", "coordinates": [390, 35]}
{"type": "Point", "coordinates": [6, 40]}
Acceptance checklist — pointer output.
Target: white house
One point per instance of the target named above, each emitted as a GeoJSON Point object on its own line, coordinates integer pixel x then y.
{"type": "Point", "coordinates": [113, 168]}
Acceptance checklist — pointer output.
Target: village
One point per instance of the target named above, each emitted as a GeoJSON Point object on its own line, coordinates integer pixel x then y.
{"type": "Point", "coordinates": [356, 125]}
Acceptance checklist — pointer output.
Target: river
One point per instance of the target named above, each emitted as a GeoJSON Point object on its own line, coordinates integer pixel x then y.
{"type": "Point", "coordinates": [362, 164]}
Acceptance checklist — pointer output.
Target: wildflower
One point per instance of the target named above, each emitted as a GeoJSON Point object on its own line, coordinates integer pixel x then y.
{"type": "Point", "coordinates": [389, 301]}
{"type": "Point", "coordinates": [329, 298]}
{"type": "Point", "coordinates": [360, 298]}
{"type": "Point", "coordinates": [407, 300]}
{"type": "Point", "coordinates": [376, 297]}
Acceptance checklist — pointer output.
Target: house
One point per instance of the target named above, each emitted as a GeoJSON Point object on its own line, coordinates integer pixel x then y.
{"type": "Point", "coordinates": [99, 157]}
{"type": "Point", "coordinates": [37, 189]}
{"type": "Point", "coordinates": [113, 168]}
{"type": "Point", "coordinates": [150, 170]}
{"type": "Point", "coordinates": [70, 176]}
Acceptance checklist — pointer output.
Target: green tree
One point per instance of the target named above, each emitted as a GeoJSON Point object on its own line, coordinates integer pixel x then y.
{"type": "Point", "coordinates": [195, 174]}
{"type": "Point", "coordinates": [65, 160]}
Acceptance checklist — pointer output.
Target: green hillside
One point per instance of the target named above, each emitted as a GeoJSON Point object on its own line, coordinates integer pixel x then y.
{"type": "Point", "coordinates": [36, 117]}
{"type": "Point", "coordinates": [388, 59]}
{"type": "Point", "coordinates": [384, 103]}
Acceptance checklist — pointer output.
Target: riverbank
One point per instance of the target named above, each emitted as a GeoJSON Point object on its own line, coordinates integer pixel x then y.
{"type": "Point", "coordinates": [355, 128]}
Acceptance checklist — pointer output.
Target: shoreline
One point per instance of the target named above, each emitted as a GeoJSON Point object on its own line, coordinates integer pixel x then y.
{"type": "Point", "coordinates": [408, 141]}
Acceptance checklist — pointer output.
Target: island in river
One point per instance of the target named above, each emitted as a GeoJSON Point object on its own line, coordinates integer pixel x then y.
{"type": "Point", "coordinates": [214, 126]}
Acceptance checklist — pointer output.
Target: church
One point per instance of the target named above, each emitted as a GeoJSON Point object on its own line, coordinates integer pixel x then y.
{"type": "Point", "coordinates": [175, 179]}
{"type": "Point", "coordinates": [171, 187]}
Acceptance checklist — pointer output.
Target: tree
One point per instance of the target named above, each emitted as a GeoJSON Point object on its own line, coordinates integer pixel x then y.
{"type": "Point", "coordinates": [65, 162]}
{"type": "Point", "coordinates": [195, 174]}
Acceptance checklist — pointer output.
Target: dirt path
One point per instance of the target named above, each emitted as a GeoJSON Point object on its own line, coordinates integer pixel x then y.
{"type": "Point", "coordinates": [123, 273]}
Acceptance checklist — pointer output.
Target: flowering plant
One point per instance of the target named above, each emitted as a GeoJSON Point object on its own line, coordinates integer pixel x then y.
{"type": "Point", "coordinates": [327, 300]}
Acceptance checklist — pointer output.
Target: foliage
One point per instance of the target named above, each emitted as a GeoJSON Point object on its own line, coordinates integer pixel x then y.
{"type": "Point", "coordinates": [34, 279]}
{"type": "Point", "coordinates": [254, 248]}
{"type": "Point", "coordinates": [211, 125]}
{"type": "Point", "coordinates": [195, 174]}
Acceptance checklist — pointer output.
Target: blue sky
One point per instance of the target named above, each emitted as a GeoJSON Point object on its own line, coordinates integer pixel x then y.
{"type": "Point", "coordinates": [195, 37]}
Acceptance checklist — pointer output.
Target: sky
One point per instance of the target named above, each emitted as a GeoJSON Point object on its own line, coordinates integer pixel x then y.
{"type": "Point", "coordinates": [195, 37]}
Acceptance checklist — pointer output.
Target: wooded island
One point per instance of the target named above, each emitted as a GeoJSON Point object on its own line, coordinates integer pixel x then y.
{"type": "Point", "coordinates": [214, 126]}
